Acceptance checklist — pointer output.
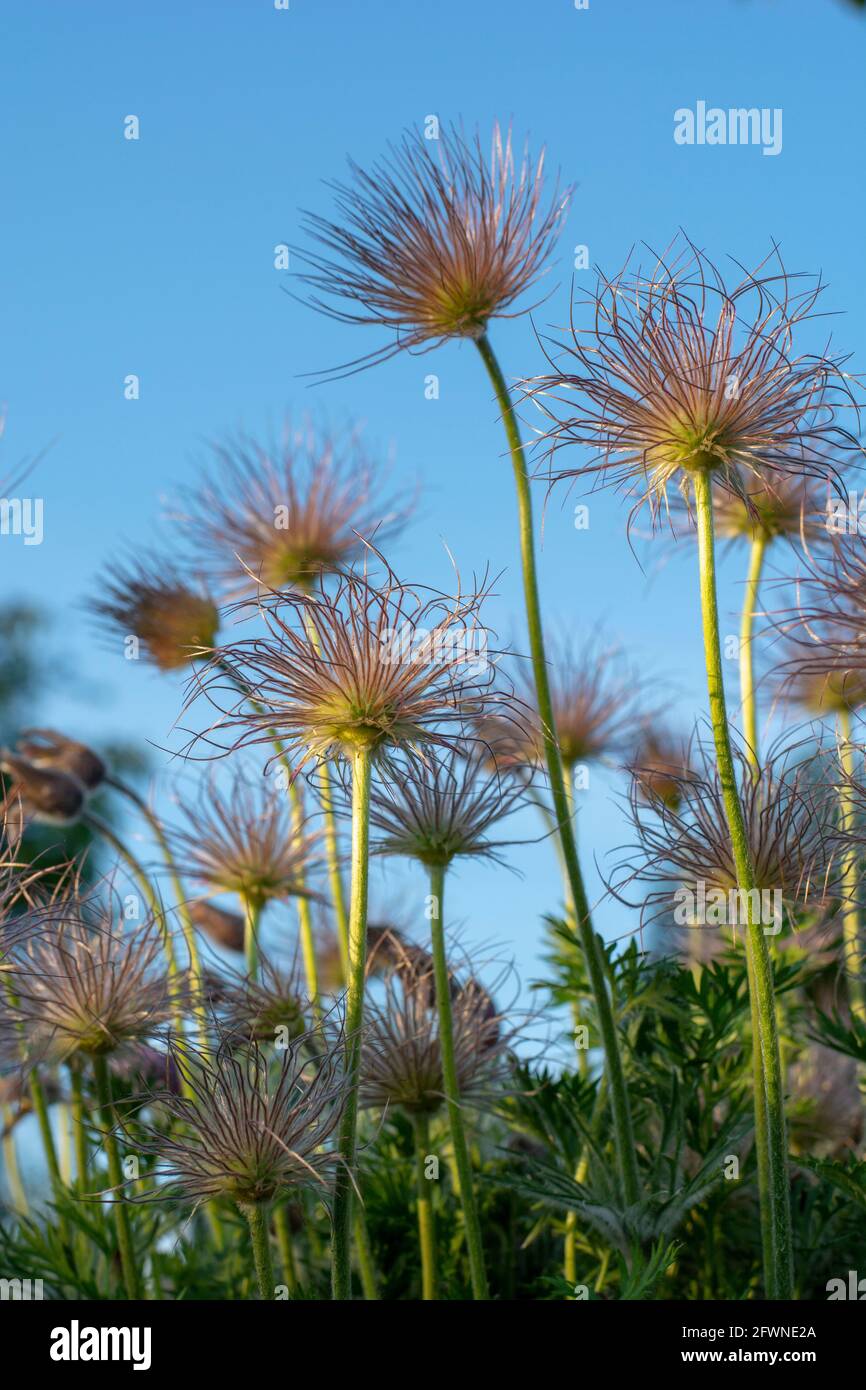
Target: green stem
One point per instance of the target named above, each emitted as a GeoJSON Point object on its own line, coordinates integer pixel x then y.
{"type": "Point", "coordinates": [43, 1119]}
{"type": "Point", "coordinates": [187, 926]}
{"type": "Point", "coordinates": [79, 1123]}
{"type": "Point", "coordinates": [305, 916]}
{"type": "Point", "coordinates": [750, 731]}
{"type": "Point", "coordinates": [775, 1212]}
{"type": "Point", "coordinates": [286, 1248]}
{"type": "Point", "coordinates": [308, 948]}
{"type": "Point", "coordinates": [332, 844]}
{"type": "Point", "coordinates": [252, 913]}
{"type": "Point", "coordinates": [128, 1264]}
{"type": "Point", "coordinates": [341, 1268]}
{"type": "Point", "coordinates": [625, 1146]}
{"type": "Point", "coordinates": [747, 649]}
{"type": "Point", "coordinates": [426, 1228]}
{"type": "Point", "coordinates": [147, 889]}
{"type": "Point", "coordinates": [335, 877]}
{"type": "Point", "coordinates": [17, 1194]}
{"type": "Point", "coordinates": [364, 1251]}
{"type": "Point", "coordinates": [451, 1085]}
{"type": "Point", "coordinates": [260, 1238]}
{"type": "Point", "coordinates": [40, 1107]}
{"type": "Point", "coordinates": [850, 886]}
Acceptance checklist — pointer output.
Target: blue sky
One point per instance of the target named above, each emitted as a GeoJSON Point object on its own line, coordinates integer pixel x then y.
{"type": "Point", "coordinates": [155, 257]}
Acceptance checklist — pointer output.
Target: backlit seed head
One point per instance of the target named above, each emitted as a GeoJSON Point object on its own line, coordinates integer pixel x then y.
{"type": "Point", "coordinates": [153, 602]}
{"type": "Point", "coordinates": [772, 508]}
{"type": "Point", "coordinates": [401, 1062]}
{"type": "Point", "coordinates": [443, 808]}
{"type": "Point", "coordinates": [596, 704]}
{"type": "Point", "coordinates": [269, 1009]}
{"type": "Point", "coordinates": [435, 240]}
{"type": "Point", "coordinates": [789, 812]}
{"type": "Point", "coordinates": [243, 840]}
{"type": "Point", "coordinates": [681, 373]}
{"type": "Point", "coordinates": [256, 1125]}
{"type": "Point", "coordinates": [290, 512]}
{"type": "Point", "coordinates": [87, 982]}
{"type": "Point", "coordinates": [659, 766]}
{"type": "Point", "coordinates": [369, 666]}
{"type": "Point", "coordinates": [822, 661]}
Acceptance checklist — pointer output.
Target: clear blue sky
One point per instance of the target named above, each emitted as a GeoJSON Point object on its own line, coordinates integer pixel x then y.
{"type": "Point", "coordinates": [155, 257]}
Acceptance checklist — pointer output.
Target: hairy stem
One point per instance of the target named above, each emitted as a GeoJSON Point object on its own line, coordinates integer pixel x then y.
{"type": "Point", "coordinates": [79, 1123]}
{"type": "Point", "coordinates": [341, 1268]}
{"type": "Point", "coordinates": [308, 948]}
{"type": "Point", "coordinates": [750, 732]}
{"type": "Point", "coordinates": [128, 1264]}
{"type": "Point", "coordinates": [852, 944]}
{"type": "Point", "coordinates": [747, 648]}
{"type": "Point", "coordinates": [260, 1239]}
{"type": "Point", "coordinates": [11, 1168]}
{"type": "Point", "coordinates": [364, 1252]}
{"type": "Point", "coordinates": [187, 925]}
{"type": "Point", "coordinates": [286, 1247]}
{"type": "Point", "coordinates": [335, 877]}
{"type": "Point", "coordinates": [426, 1228]}
{"type": "Point", "coordinates": [776, 1207]}
{"type": "Point", "coordinates": [451, 1085]}
{"type": "Point", "coordinates": [625, 1147]}
{"type": "Point", "coordinates": [332, 843]}
{"type": "Point", "coordinates": [151, 898]}
{"type": "Point", "coordinates": [252, 912]}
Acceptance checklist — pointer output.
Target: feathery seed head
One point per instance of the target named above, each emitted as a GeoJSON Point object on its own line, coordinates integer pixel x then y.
{"type": "Point", "coordinates": [270, 1009]}
{"type": "Point", "coordinates": [659, 767]}
{"type": "Point", "coordinates": [789, 816]}
{"type": "Point", "coordinates": [254, 1126]}
{"type": "Point", "coordinates": [370, 666]}
{"type": "Point", "coordinates": [434, 241]}
{"type": "Point", "coordinates": [681, 373]}
{"type": "Point", "coordinates": [401, 1059]}
{"type": "Point", "coordinates": [439, 809]}
{"type": "Point", "coordinates": [88, 983]}
{"type": "Point", "coordinates": [244, 841]}
{"type": "Point", "coordinates": [595, 705]}
{"type": "Point", "coordinates": [289, 513]}
{"type": "Point", "coordinates": [823, 662]}
{"type": "Point", "coordinates": [153, 602]}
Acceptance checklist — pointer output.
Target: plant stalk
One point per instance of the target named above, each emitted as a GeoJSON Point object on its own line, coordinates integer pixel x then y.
{"type": "Point", "coordinates": [79, 1124]}
{"type": "Point", "coordinates": [747, 649]}
{"type": "Point", "coordinates": [775, 1212]}
{"type": "Point", "coordinates": [341, 1267]}
{"type": "Point", "coordinates": [850, 886]}
{"type": "Point", "coordinates": [256, 1214]}
{"type": "Point", "coordinates": [187, 925]}
{"type": "Point", "coordinates": [285, 1244]}
{"type": "Point", "coordinates": [624, 1134]}
{"type": "Point", "coordinates": [102, 1079]}
{"type": "Point", "coordinates": [451, 1085]}
{"type": "Point", "coordinates": [426, 1227]}
{"type": "Point", "coordinates": [364, 1252]}
{"type": "Point", "coordinates": [151, 898]}
{"type": "Point", "coordinates": [252, 914]}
